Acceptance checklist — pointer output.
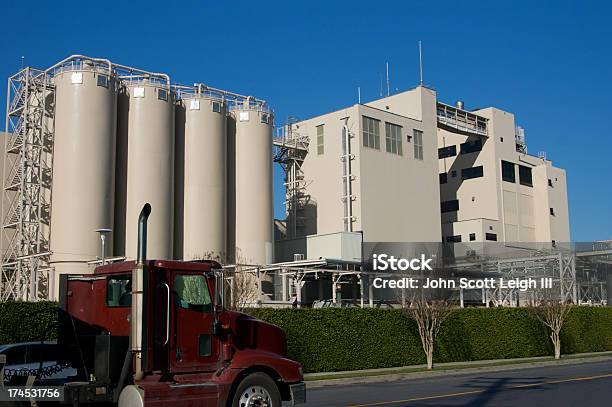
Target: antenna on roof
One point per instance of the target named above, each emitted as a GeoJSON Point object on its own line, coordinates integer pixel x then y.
{"type": "Point", "coordinates": [381, 86]}
{"type": "Point", "coordinates": [359, 94]}
{"type": "Point", "coordinates": [388, 88]}
{"type": "Point", "coordinates": [420, 64]}
{"type": "Point", "coordinates": [22, 61]}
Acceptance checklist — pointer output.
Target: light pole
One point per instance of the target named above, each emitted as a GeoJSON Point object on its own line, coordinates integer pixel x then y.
{"type": "Point", "coordinates": [103, 232]}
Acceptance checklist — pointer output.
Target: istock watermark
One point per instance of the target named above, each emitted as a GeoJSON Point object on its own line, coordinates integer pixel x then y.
{"type": "Point", "coordinates": [384, 262]}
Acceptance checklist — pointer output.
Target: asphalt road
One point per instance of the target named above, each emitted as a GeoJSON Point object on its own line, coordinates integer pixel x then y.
{"type": "Point", "coordinates": [586, 384]}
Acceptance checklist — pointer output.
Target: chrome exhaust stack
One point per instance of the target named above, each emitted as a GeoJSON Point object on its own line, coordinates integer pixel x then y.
{"type": "Point", "coordinates": [139, 297]}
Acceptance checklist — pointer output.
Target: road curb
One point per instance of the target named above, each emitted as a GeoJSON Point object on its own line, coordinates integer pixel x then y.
{"type": "Point", "coordinates": [315, 384]}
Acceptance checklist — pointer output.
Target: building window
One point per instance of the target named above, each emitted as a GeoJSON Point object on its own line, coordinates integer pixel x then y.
{"type": "Point", "coordinates": [491, 236]}
{"type": "Point", "coordinates": [472, 237]}
{"type": "Point", "coordinates": [119, 291]}
{"type": "Point", "coordinates": [393, 138]}
{"type": "Point", "coordinates": [443, 178]}
{"type": "Point", "coordinates": [102, 81]}
{"type": "Point", "coordinates": [320, 140]}
{"type": "Point", "coordinates": [418, 144]}
{"type": "Point", "coordinates": [508, 173]}
{"type": "Point", "coordinates": [473, 172]}
{"type": "Point", "coordinates": [454, 173]}
{"type": "Point", "coordinates": [444, 152]}
{"type": "Point", "coordinates": [552, 211]}
{"type": "Point", "coordinates": [550, 184]}
{"type": "Point", "coordinates": [453, 239]}
{"type": "Point", "coordinates": [216, 107]}
{"type": "Point", "coordinates": [525, 176]}
{"type": "Point", "coordinates": [449, 206]}
{"type": "Point", "coordinates": [471, 146]}
{"type": "Point", "coordinates": [371, 133]}
{"type": "Point", "coordinates": [265, 118]}
{"type": "Point", "coordinates": [162, 94]}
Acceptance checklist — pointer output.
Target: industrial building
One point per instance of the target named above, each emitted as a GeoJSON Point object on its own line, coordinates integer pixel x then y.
{"type": "Point", "coordinates": [407, 168]}
{"type": "Point", "coordinates": [411, 170]}
{"type": "Point", "coordinates": [491, 189]}
{"type": "Point", "coordinates": [89, 141]}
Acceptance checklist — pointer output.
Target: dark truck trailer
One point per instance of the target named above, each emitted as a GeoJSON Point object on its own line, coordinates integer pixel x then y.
{"type": "Point", "coordinates": [155, 333]}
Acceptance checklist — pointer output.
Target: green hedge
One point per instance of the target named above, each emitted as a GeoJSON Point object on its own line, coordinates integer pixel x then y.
{"type": "Point", "coordinates": [334, 339]}
{"type": "Point", "coordinates": [27, 321]}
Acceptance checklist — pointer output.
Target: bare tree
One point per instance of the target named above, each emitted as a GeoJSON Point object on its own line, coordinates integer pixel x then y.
{"type": "Point", "coordinates": [241, 288]}
{"type": "Point", "coordinates": [241, 285]}
{"type": "Point", "coordinates": [428, 308]}
{"type": "Point", "coordinates": [552, 311]}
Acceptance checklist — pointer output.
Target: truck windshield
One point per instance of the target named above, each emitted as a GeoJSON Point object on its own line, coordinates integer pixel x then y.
{"type": "Point", "coordinates": [191, 292]}
{"type": "Point", "coordinates": [119, 291]}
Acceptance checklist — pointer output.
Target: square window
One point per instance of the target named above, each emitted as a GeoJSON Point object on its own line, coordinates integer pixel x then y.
{"type": "Point", "coordinates": [473, 172]}
{"type": "Point", "coordinates": [371, 132]}
{"type": "Point", "coordinates": [418, 144]}
{"type": "Point", "coordinates": [321, 139]}
{"type": "Point", "coordinates": [162, 94]}
{"type": "Point", "coordinates": [444, 152]}
{"type": "Point", "coordinates": [102, 81]}
{"type": "Point", "coordinates": [265, 118]}
{"type": "Point", "coordinates": [443, 178]}
{"type": "Point", "coordinates": [508, 172]}
{"type": "Point", "coordinates": [472, 237]}
{"type": "Point", "coordinates": [216, 107]}
{"type": "Point", "coordinates": [194, 105]}
{"type": "Point", "coordinates": [491, 237]}
{"type": "Point", "coordinates": [77, 77]}
{"type": "Point", "coordinates": [525, 177]}
{"type": "Point", "coordinates": [393, 138]}
{"type": "Point", "coordinates": [449, 206]}
{"type": "Point", "coordinates": [139, 92]}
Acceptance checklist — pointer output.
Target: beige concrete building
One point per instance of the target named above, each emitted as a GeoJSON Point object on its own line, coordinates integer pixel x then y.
{"type": "Point", "coordinates": [373, 168]}
{"type": "Point", "coordinates": [407, 168]}
{"type": "Point", "coordinates": [490, 188]}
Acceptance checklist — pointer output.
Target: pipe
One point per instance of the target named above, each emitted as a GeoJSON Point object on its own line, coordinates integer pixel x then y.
{"type": "Point", "coordinates": [138, 320]}
{"type": "Point", "coordinates": [142, 234]}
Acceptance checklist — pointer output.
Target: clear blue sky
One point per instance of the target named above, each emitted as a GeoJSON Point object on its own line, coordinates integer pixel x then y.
{"type": "Point", "coordinates": [549, 64]}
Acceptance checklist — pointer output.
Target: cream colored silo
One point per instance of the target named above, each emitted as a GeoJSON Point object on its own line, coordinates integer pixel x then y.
{"type": "Point", "coordinates": [252, 185]}
{"type": "Point", "coordinates": [83, 165]}
{"type": "Point", "coordinates": [150, 167]}
{"type": "Point", "coordinates": [205, 185]}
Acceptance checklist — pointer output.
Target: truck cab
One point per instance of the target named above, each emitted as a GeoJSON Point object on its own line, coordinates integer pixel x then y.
{"type": "Point", "coordinates": [193, 351]}
{"type": "Point", "coordinates": [156, 333]}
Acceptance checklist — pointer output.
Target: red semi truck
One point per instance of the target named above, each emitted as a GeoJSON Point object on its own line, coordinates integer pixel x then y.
{"type": "Point", "coordinates": [155, 333]}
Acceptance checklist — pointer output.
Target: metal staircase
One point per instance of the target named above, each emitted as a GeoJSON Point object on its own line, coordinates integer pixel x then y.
{"type": "Point", "coordinates": [27, 187]}
{"type": "Point", "coordinates": [290, 150]}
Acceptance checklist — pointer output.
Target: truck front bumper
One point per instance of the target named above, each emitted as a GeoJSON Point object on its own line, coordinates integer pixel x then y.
{"type": "Point", "coordinates": [298, 393]}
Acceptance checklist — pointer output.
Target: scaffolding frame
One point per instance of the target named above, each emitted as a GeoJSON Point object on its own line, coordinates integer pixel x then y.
{"type": "Point", "coordinates": [290, 151]}
{"type": "Point", "coordinates": [27, 186]}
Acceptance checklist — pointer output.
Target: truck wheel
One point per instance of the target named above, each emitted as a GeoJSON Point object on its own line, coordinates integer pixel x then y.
{"type": "Point", "coordinates": [257, 390]}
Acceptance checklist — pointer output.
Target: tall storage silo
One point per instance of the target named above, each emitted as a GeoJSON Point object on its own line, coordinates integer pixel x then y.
{"type": "Point", "coordinates": [83, 165]}
{"type": "Point", "coordinates": [254, 238]}
{"type": "Point", "coordinates": [150, 167]}
{"type": "Point", "coordinates": [205, 185]}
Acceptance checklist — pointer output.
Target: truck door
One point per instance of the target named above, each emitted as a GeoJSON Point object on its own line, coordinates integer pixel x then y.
{"type": "Point", "coordinates": [193, 346]}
